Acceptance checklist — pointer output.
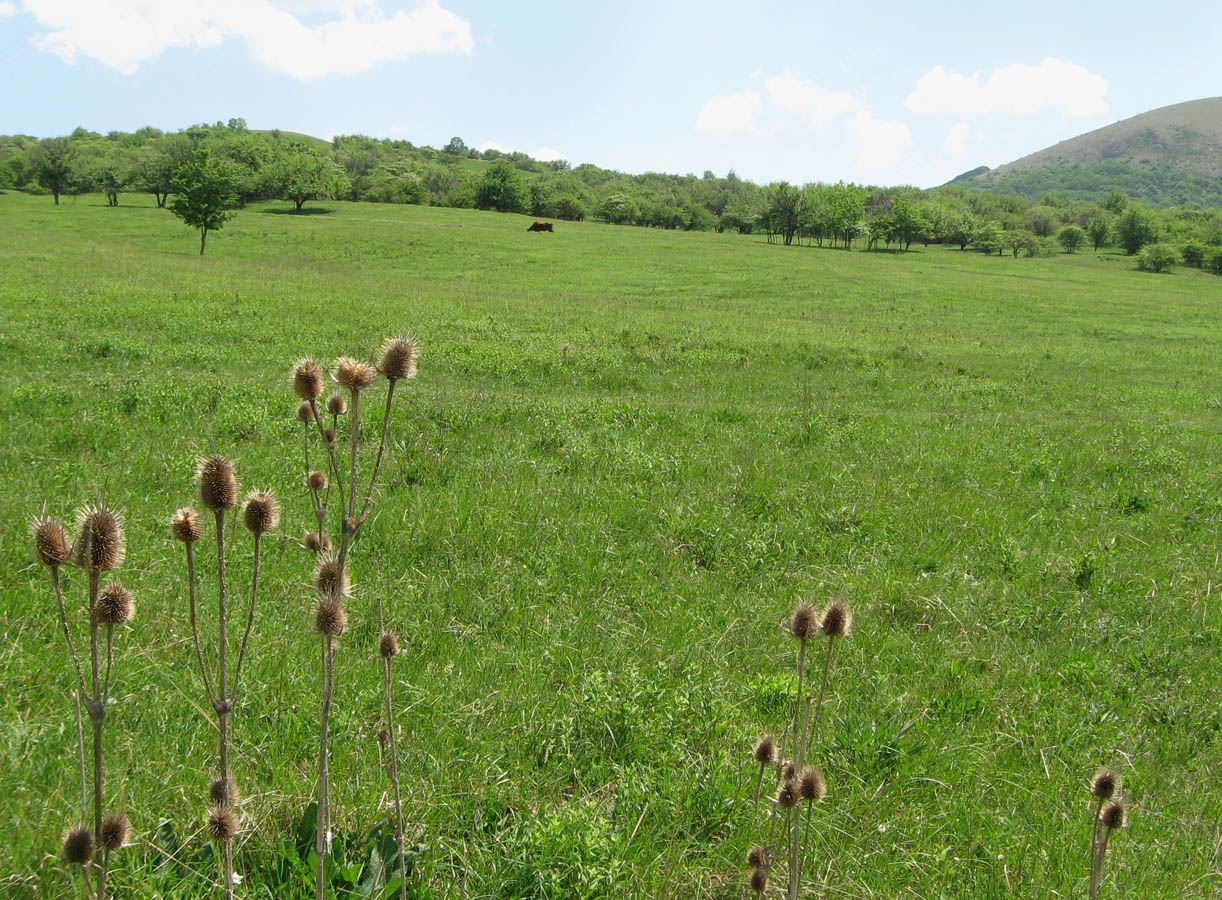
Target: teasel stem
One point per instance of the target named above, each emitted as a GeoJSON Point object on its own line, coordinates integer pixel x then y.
{"type": "Point", "coordinates": [199, 653]}
{"type": "Point", "coordinates": [801, 722]}
{"type": "Point", "coordinates": [827, 663]}
{"type": "Point", "coordinates": [110, 658]}
{"type": "Point", "coordinates": [63, 620]}
{"type": "Point", "coordinates": [322, 820]}
{"type": "Point", "coordinates": [354, 434]}
{"type": "Point", "coordinates": [1094, 837]}
{"type": "Point", "coordinates": [1096, 872]}
{"type": "Point", "coordinates": [377, 463]}
{"type": "Point", "coordinates": [250, 618]}
{"type": "Point", "coordinates": [759, 782]}
{"type": "Point", "coordinates": [80, 755]}
{"type": "Point", "coordinates": [333, 463]}
{"type": "Point", "coordinates": [393, 767]}
{"type": "Point", "coordinates": [222, 704]}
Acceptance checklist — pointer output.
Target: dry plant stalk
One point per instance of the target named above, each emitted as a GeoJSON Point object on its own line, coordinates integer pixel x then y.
{"type": "Point", "coordinates": [388, 649]}
{"type": "Point", "coordinates": [99, 547]}
{"type": "Point", "coordinates": [1111, 814]}
{"type": "Point", "coordinates": [331, 578]}
{"type": "Point", "coordinates": [218, 493]}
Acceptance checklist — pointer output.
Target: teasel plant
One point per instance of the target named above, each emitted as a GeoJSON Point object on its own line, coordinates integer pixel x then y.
{"type": "Point", "coordinates": [218, 494]}
{"type": "Point", "coordinates": [99, 547]}
{"type": "Point", "coordinates": [1111, 814]}
{"type": "Point", "coordinates": [388, 649]}
{"type": "Point", "coordinates": [331, 545]}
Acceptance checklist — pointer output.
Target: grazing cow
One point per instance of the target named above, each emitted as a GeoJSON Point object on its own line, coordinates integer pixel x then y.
{"type": "Point", "coordinates": [540, 226]}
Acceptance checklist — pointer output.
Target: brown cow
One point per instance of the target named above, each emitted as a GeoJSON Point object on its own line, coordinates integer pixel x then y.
{"type": "Point", "coordinates": [540, 226]}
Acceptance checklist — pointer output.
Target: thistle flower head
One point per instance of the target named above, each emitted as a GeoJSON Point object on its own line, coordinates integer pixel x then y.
{"type": "Point", "coordinates": [50, 541]}
{"type": "Point", "coordinates": [218, 486]}
{"type": "Point", "coordinates": [353, 374]}
{"type": "Point", "coordinates": [1114, 815]}
{"type": "Point", "coordinates": [802, 623]}
{"type": "Point", "coordinates": [757, 857]}
{"type": "Point", "coordinates": [765, 750]}
{"type": "Point", "coordinates": [316, 481]}
{"type": "Point", "coordinates": [223, 792]}
{"type": "Point", "coordinates": [759, 881]}
{"type": "Point", "coordinates": [837, 619]}
{"type": "Point", "coordinates": [116, 831]}
{"type": "Point", "coordinates": [1104, 784]}
{"type": "Point", "coordinates": [100, 545]}
{"type": "Point", "coordinates": [330, 618]}
{"type": "Point", "coordinates": [787, 769]}
{"type": "Point", "coordinates": [329, 435]}
{"type": "Point", "coordinates": [787, 794]}
{"type": "Point", "coordinates": [811, 785]}
{"type": "Point", "coordinates": [221, 824]}
{"type": "Point", "coordinates": [307, 380]}
{"type": "Point", "coordinates": [399, 357]}
{"type": "Point", "coordinates": [316, 543]}
{"type": "Point", "coordinates": [388, 646]}
{"type": "Point", "coordinates": [78, 846]}
{"type": "Point", "coordinates": [329, 581]}
{"type": "Point", "coordinates": [337, 404]}
{"type": "Point", "coordinates": [305, 412]}
{"type": "Point", "coordinates": [185, 525]}
{"type": "Point", "coordinates": [262, 512]}
{"type": "Point", "coordinates": [114, 605]}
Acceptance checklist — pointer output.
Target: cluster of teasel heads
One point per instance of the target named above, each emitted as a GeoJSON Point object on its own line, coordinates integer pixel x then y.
{"type": "Point", "coordinates": [338, 481]}
{"type": "Point", "coordinates": [1111, 814]}
{"type": "Point", "coordinates": [799, 785]}
{"type": "Point", "coordinates": [99, 547]}
{"type": "Point", "coordinates": [218, 494]}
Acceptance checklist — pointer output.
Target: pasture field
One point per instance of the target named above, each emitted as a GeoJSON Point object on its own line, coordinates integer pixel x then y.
{"type": "Point", "coordinates": [627, 454]}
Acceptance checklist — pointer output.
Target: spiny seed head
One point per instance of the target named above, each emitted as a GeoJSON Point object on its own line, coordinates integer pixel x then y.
{"type": "Point", "coordinates": [100, 545]}
{"type": "Point", "coordinates": [1114, 815]}
{"type": "Point", "coordinates": [50, 541]}
{"type": "Point", "coordinates": [399, 357]}
{"type": "Point", "coordinates": [787, 769]}
{"type": "Point", "coordinates": [262, 512]}
{"type": "Point", "coordinates": [305, 412]}
{"type": "Point", "coordinates": [223, 792]}
{"type": "Point", "coordinates": [765, 750]}
{"type": "Point", "coordinates": [186, 526]}
{"type": "Point", "coordinates": [316, 481]}
{"type": "Point", "coordinates": [221, 823]}
{"type": "Point", "coordinates": [759, 881]}
{"type": "Point", "coordinates": [353, 374]}
{"type": "Point", "coordinates": [78, 846]}
{"type": "Point", "coordinates": [1104, 784]}
{"type": "Point", "coordinates": [757, 857]}
{"type": "Point", "coordinates": [116, 831]}
{"type": "Point", "coordinates": [329, 435]}
{"type": "Point", "coordinates": [114, 605]}
{"type": "Point", "coordinates": [811, 784]}
{"type": "Point", "coordinates": [802, 624]}
{"type": "Point", "coordinates": [384, 738]}
{"type": "Point", "coordinates": [388, 646]}
{"type": "Point", "coordinates": [329, 581]}
{"type": "Point", "coordinates": [837, 619]}
{"type": "Point", "coordinates": [316, 543]}
{"type": "Point", "coordinates": [218, 486]}
{"type": "Point", "coordinates": [307, 380]}
{"type": "Point", "coordinates": [787, 794]}
{"type": "Point", "coordinates": [337, 404]}
{"type": "Point", "coordinates": [330, 619]}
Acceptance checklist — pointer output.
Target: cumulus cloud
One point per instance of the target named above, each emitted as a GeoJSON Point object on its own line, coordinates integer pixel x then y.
{"type": "Point", "coordinates": [7, 10]}
{"type": "Point", "coordinates": [960, 135]}
{"type": "Point", "coordinates": [881, 143]}
{"type": "Point", "coordinates": [731, 114]}
{"type": "Point", "coordinates": [1019, 89]}
{"type": "Point", "coordinates": [542, 154]}
{"type": "Point", "coordinates": [809, 99]}
{"type": "Point", "coordinates": [352, 36]}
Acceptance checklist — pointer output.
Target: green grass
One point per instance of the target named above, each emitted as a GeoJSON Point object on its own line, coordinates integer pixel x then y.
{"type": "Point", "coordinates": [628, 452]}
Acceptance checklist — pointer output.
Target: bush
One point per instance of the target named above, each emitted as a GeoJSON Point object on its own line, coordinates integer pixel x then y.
{"type": "Point", "coordinates": [1193, 253]}
{"type": "Point", "coordinates": [1214, 261]}
{"type": "Point", "coordinates": [1157, 258]}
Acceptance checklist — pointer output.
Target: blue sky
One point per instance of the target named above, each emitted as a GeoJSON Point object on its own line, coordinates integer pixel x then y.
{"type": "Point", "coordinates": [874, 92]}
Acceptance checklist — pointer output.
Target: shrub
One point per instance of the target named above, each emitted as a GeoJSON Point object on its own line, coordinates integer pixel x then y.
{"type": "Point", "coordinates": [1193, 253]}
{"type": "Point", "coordinates": [1214, 261]}
{"type": "Point", "coordinates": [1157, 258]}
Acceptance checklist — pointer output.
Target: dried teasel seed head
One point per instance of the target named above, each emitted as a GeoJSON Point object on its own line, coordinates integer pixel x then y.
{"type": "Point", "coordinates": [1104, 784]}
{"type": "Point", "coordinates": [100, 545]}
{"type": "Point", "coordinates": [218, 485]}
{"type": "Point", "coordinates": [384, 738]}
{"type": "Point", "coordinates": [765, 750]}
{"type": "Point", "coordinates": [223, 792]}
{"type": "Point", "coordinates": [388, 646]}
{"type": "Point", "coordinates": [116, 831]}
{"type": "Point", "coordinates": [78, 846]}
{"type": "Point", "coordinates": [399, 357]}
{"type": "Point", "coordinates": [317, 543]}
{"type": "Point", "coordinates": [305, 412]}
{"type": "Point", "coordinates": [802, 623]}
{"type": "Point", "coordinates": [316, 481]}
{"type": "Point", "coordinates": [353, 374]}
{"type": "Point", "coordinates": [262, 512]}
{"type": "Point", "coordinates": [787, 769]}
{"type": "Point", "coordinates": [1114, 815]}
{"type": "Point", "coordinates": [185, 525]}
{"type": "Point", "coordinates": [307, 380]}
{"type": "Point", "coordinates": [759, 881]}
{"type": "Point", "coordinates": [329, 581]}
{"type": "Point", "coordinates": [221, 824]}
{"type": "Point", "coordinates": [337, 404]}
{"type": "Point", "coordinates": [757, 857]}
{"type": "Point", "coordinates": [329, 435]}
{"type": "Point", "coordinates": [50, 541]}
{"type": "Point", "coordinates": [811, 784]}
{"type": "Point", "coordinates": [787, 794]}
{"type": "Point", "coordinates": [837, 619]}
{"type": "Point", "coordinates": [330, 618]}
{"type": "Point", "coordinates": [114, 605]}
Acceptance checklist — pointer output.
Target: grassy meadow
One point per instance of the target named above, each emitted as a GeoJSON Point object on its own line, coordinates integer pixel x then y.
{"type": "Point", "coordinates": [627, 454]}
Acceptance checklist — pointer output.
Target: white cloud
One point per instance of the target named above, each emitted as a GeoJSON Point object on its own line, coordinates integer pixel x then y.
{"type": "Point", "coordinates": [881, 143]}
{"type": "Point", "coordinates": [492, 145]}
{"type": "Point", "coordinates": [7, 10]}
{"type": "Point", "coordinates": [807, 98]}
{"type": "Point", "coordinates": [355, 35]}
{"type": "Point", "coordinates": [731, 114]}
{"type": "Point", "coordinates": [960, 135]}
{"type": "Point", "coordinates": [1019, 89]}
{"type": "Point", "coordinates": [543, 154]}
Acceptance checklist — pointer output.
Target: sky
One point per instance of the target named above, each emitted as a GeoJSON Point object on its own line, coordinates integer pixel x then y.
{"type": "Point", "coordinates": [877, 93]}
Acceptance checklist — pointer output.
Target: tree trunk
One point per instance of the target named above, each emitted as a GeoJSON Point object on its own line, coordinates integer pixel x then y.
{"type": "Point", "coordinates": [55, 194]}
{"type": "Point", "coordinates": [203, 239]}
{"type": "Point", "coordinates": [300, 203]}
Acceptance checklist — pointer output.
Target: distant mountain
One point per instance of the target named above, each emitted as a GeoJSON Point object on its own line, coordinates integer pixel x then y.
{"type": "Point", "coordinates": [1171, 155]}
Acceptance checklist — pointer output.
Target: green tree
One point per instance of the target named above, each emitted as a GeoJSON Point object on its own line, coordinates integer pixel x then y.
{"type": "Point", "coordinates": [53, 160]}
{"type": "Point", "coordinates": [1115, 203]}
{"type": "Point", "coordinates": [989, 238]}
{"type": "Point", "coordinates": [1071, 238]}
{"type": "Point", "coordinates": [154, 168]}
{"type": "Point", "coordinates": [1193, 252]}
{"type": "Point", "coordinates": [456, 147]}
{"type": "Point", "coordinates": [304, 174]}
{"type": "Point", "coordinates": [1214, 261]}
{"type": "Point", "coordinates": [1098, 228]}
{"type": "Point", "coordinates": [1021, 239]}
{"type": "Point", "coordinates": [1157, 258]}
{"type": "Point", "coordinates": [784, 210]}
{"type": "Point", "coordinates": [1136, 228]}
{"type": "Point", "coordinates": [206, 193]}
{"type": "Point", "coordinates": [501, 189]}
